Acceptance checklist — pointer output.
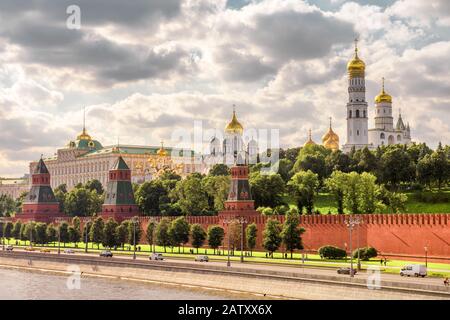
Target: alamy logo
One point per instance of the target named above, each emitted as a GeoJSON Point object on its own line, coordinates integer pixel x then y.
{"type": "Point", "coordinates": [373, 278]}
{"type": "Point", "coordinates": [74, 280]}
{"type": "Point", "coordinates": [73, 22]}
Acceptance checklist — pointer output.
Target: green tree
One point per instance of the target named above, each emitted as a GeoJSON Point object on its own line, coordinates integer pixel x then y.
{"type": "Point", "coordinates": [96, 232]}
{"type": "Point", "coordinates": [7, 205]}
{"type": "Point", "coordinates": [94, 185]}
{"type": "Point", "coordinates": [162, 233]}
{"type": "Point", "coordinates": [109, 233]}
{"type": "Point", "coordinates": [396, 167]}
{"type": "Point", "coordinates": [81, 201]}
{"type": "Point", "coordinates": [219, 169]}
{"type": "Point", "coordinates": [122, 234]}
{"type": "Point", "coordinates": [291, 233]}
{"type": "Point", "coordinates": [303, 186]}
{"type": "Point", "coordinates": [216, 188]}
{"type": "Point", "coordinates": [63, 230]}
{"type": "Point", "coordinates": [434, 169]}
{"type": "Point", "coordinates": [29, 232]}
{"type": "Point", "coordinates": [267, 189]}
{"type": "Point", "coordinates": [190, 195]}
{"type": "Point", "coordinates": [251, 233]}
{"type": "Point", "coordinates": [272, 236]}
{"type": "Point", "coordinates": [16, 230]}
{"type": "Point", "coordinates": [215, 237]}
{"type": "Point", "coordinates": [41, 233]}
{"type": "Point", "coordinates": [150, 196]}
{"type": "Point", "coordinates": [75, 230]}
{"type": "Point", "coordinates": [7, 230]}
{"type": "Point", "coordinates": [336, 185]}
{"type": "Point", "coordinates": [198, 236]}
{"type": "Point", "coordinates": [179, 232]}
{"type": "Point", "coordinates": [60, 195]}
{"type": "Point", "coordinates": [52, 233]}
{"type": "Point", "coordinates": [312, 158]}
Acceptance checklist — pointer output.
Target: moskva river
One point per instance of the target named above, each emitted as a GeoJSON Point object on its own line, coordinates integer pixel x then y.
{"type": "Point", "coordinates": [18, 284]}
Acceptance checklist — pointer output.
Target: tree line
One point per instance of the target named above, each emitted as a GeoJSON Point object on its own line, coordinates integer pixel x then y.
{"type": "Point", "coordinates": [166, 233]}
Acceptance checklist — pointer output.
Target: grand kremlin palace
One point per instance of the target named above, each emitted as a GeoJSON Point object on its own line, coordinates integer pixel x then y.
{"type": "Point", "coordinates": [85, 159]}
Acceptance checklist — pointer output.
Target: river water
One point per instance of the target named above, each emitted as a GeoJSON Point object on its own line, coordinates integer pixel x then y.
{"type": "Point", "coordinates": [25, 285]}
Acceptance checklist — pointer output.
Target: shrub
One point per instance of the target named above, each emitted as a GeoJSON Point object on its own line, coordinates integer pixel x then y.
{"type": "Point", "coordinates": [365, 253]}
{"type": "Point", "coordinates": [331, 252]}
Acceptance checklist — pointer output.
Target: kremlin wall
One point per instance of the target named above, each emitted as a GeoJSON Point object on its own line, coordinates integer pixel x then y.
{"type": "Point", "coordinates": [400, 235]}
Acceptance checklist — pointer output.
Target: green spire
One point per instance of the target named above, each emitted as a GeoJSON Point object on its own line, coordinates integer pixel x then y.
{"type": "Point", "coordinates": [120, 164]}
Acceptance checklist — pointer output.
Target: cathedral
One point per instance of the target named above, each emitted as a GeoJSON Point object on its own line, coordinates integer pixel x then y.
{"type": "Point", "coordinates": [232, 149]}
{"type": "Point", "coordinates": [359, 135]}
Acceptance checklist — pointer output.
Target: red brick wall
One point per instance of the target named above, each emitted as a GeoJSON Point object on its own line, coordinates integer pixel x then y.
{"type": "Point", "coordinates": [402, 234]}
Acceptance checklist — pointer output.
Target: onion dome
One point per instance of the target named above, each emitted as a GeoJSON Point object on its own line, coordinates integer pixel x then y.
{"type": "Point", "coordinates": [383, 96]}
{"type": "Point", "coordinates": [162, 152]}
{"type": "Point", "coordinates": [234, 126]}
{"type": "Point", "coordinates": [330, 140]}
{"type": "Point", "coordinates": [356, 67]}
{"type": "Point", "coordinates": [309, 142]}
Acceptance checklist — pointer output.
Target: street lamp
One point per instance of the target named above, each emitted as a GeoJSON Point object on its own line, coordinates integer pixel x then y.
{"type": "Point", "coordinates": [134, 237]}
{"type": "Point", "coordinates": [426, 256]}
{"type": "Point", "coordinates": [3, 220]}
{"type": "Point", "coordinates": [86, 225]}
{"type": "Point", "coordinates": [242, 221]}
{"type": "Point", "coordinates": [59, 221]}
{"type": "Point", "coordinates": [228, 222]}
{"type": "Point", "coordinates": [351, 222]}
{"type": "Point", "coordinates": [31, 233]}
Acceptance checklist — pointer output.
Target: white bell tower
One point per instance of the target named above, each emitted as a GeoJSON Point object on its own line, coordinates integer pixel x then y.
{"type": "Point", "coordinates": [357, 115]}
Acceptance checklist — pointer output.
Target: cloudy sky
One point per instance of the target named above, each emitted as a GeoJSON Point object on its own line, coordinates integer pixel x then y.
{"type": "Point", "coordinates": [145, 68]}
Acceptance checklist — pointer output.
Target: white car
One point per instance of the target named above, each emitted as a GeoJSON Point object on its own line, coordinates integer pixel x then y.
{"type": "Point", "coordinates": [202, 258]}
{"type": "Point", "coordinates": [156, 256]}
{"type": "Point", "coordinates": [416, 270]}
{"type": "Point", "coordinates": [9, 248]}
{"type": "Point", "coordinates": [69, 251]}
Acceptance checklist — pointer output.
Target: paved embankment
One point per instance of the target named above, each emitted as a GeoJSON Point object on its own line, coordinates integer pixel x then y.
{"type": "Point", "coordinates": [294, 285]}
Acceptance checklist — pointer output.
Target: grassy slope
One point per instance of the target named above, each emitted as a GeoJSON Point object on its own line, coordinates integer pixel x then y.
{"type": "Point", "coordinates": [325, 202]}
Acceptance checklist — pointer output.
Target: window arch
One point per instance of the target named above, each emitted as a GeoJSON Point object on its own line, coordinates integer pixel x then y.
{"type": "Point", "coordinates": [364, 113]}
{"type": "Point", "coordinates": [382, 136]}
{"type": "Point", "coordinates": [399, 138]}
{"type": "Point", "coordinates": [357, 113]}
{"type": "Point", "coordinates": [350, 114]}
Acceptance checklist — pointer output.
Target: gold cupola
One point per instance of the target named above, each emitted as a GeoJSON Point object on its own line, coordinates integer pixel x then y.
{"type": "Point", "coordinates": [162, 152]}
{"type": "Point", "coordinates": [383, 96]}
{"type": "Point", "coordinates": [330, 140]}
{"type": "Point", "coordinates": [84, 135]}
{"type": "Point", "coordinates": [234, 126]}
{"type": "Point", "coordinates": [356, 67]}
{"type": "Point", "coordinates": [310, 141]}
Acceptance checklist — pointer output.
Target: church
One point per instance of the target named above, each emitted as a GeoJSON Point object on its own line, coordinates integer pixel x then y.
{"type": "Point", "coordinates": [359, 135]}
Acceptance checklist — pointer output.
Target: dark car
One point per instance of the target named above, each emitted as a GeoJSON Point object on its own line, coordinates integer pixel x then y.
{"type": "Point", "coordinates": [106, 253]}
{"type": "Point", "coordinates": [345, 271]}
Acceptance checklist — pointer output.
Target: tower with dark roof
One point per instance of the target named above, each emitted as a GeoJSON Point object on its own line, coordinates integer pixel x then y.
{"type": "Point", "coordinates": [40, 203]}
{"type": "Point", "coordinates": [119, 198]}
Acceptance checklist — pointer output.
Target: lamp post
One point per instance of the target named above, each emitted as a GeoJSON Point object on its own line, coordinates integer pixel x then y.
{"type": "Point", "coordinates": [31, 233]}
{"type": "Point", "coordinates": [242, 221]}
{"type": "Point", "coordinates": [228, 222]}
{"type": "Point", "coordinates": [426, 256]}
{"type": "Point", "coordinates": [3, 220]}
{"type": "Point", "coordinates": [134, 238]}
{"type": "Point", "coordinates": [86, 225]}
{"type": "Point", "coordinates": [351, 222]}
{"type": "Point", "coordinates": [59, 221]}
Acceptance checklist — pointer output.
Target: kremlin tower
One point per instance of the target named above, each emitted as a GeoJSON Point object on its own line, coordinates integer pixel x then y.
{"type": "Point", "coordinates": [239, 202]}
{"type": "Point", "coordinates": [40, 204]}
{"type": "Point", "coordinates": [119, 200]}
{"type": "Point", "coordinates": [357, 115]}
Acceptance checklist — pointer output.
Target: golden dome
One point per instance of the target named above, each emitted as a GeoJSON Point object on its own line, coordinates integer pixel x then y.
{"type": "Point", "coordinates": [234, 126]}
{"type": "Point", "coordinates": [330, 140]}
{"type": "Point", "coordinates": [309, 142]}
{"type": "Point", "coordinates": [356, 67]}
{"type": "Point", "coordinates": [162, 152]}
{"type": "Point", "coordinates": [84, 135]}
{"type": "Point", "coordinates": [383, 96]}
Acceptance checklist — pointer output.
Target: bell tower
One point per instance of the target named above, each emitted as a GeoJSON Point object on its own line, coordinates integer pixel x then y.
{"type": "Point", "coordinates": [357, 115]}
